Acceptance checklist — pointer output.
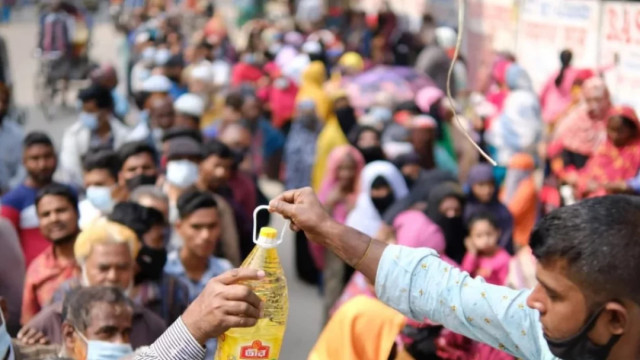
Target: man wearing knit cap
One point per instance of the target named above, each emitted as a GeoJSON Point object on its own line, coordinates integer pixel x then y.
{"type": "Point", "coordinates": [189, 109]}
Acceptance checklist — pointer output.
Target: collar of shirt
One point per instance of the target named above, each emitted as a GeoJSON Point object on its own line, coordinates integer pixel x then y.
{"type": "Point", "coordinates": [174, 267]}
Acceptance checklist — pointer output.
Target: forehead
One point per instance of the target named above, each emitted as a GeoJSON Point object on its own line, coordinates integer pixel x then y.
{"type": "Point", "coordinates": [105, 314]}
{"type": "Point", "coordinates": [137, 159]}
{"type": "Point", "coordinates": [205, 215]}
{"type": "Point", "coordinates": [50, 201]}
{"type": "Point", "coordinates": [110, 253]}
{"type": "Point", "coordinates": [38, 149]}
{"type": "Point", "coordinates": [554, 274]}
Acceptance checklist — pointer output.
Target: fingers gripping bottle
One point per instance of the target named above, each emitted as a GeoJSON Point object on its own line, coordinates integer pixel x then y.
{"type": "Point", "coordinates": [263, 341]}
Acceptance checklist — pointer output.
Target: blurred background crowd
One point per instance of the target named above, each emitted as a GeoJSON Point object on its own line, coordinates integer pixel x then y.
{"type": "Point", "coordinates": [149, 191]}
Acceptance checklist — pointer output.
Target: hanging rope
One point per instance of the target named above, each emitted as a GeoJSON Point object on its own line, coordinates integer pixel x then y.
{"type": "Point", "coordinates": [456, 53]}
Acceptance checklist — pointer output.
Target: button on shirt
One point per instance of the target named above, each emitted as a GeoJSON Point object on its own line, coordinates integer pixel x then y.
{"type": "Point", "coordinates": [420, 285]}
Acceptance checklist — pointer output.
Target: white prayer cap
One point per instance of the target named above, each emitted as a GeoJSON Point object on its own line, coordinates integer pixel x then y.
{"type": "Point", "coordinates": [189, 104]}
{"type": "Point", "coordinates": [156, 83]}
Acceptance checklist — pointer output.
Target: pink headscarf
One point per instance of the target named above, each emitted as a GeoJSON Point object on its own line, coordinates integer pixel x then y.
{"type": "Point", "coordinates": [329, 182]}
{"type": "Point", "coordinates": [427, 97]}
{"type": "Point", "coordinates": [414, 229]}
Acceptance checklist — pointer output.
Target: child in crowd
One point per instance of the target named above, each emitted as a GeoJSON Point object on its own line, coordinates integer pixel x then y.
{"type": "Point", "coordinates": [484, 256]}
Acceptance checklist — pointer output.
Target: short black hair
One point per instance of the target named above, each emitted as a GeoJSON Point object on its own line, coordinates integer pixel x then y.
{"type": "Point", "coordinates": [194, 200]}
{"type": "Point", "coordinates": [136, 217]}
{"type": "Point", "coordinates": [234, 100]}
{"type": "Point", "coordinates": [58, 190]}
{"type": "Point", "coordinates": [175, 61]}
{"type": "Point", "coordinates": [216, 147]}
{"type": "Point", "coordinates": [36, 138]}
{"type": "Point", "coordinates": [77, 304]}
{"type": "Point", "coordinates": [598, 238]}
{"type": "Point", "coordinates": [180, 132]}
{"type": "Point", "coordinates": [103, 159]}
{"type": "Point", "coordinates": [101, 95]}
{"type": "Point", "coordinates": [483, 216]}
{"type": "Point", "coordinates": [130, 149]}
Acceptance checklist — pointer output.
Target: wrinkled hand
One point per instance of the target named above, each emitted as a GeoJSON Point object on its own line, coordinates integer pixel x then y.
{"type": "Point", "coordinates": [30, 336]}
{"type": "Point", "coordinates": [224, 304]}
{"type": "Point", "coordinates": [305, 211]}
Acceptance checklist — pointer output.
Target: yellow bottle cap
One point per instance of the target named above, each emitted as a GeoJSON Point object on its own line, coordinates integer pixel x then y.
{"type": "Point", "coordinates": [268, 233]}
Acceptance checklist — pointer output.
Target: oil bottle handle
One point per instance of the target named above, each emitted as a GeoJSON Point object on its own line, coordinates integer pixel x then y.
{"type": "Point", "coordinates": [255, 225]}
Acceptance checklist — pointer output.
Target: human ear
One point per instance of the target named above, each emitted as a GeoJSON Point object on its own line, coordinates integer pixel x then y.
{"type": "Point", "coordinates": [617, 317]}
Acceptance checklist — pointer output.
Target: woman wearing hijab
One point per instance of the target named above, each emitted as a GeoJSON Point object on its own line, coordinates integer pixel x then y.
{"type": "Point", "coordinates": [363, 329]}
{"type": "Point", "coordinates": [381, 184]}
{"type": "Point", "coordinates": [369, 141]}
{"type": "Point", "coordinates": [483, 198]}
{"type": "Point", "coordinates": [333, 134]}
{"type": "Point", "coordinates": [581, 132]}
{"type": "Point", "coordinates": [338, 193]}
{"type": "Point", "coordinates": [445, 207]}
{"type": "Point", "coordinates": [311, 87]}
{"type": "Point", "coordinates": [519, 126]}
{"type": "Point", "coordinates": [521, 197]}
{"type": "Point", "coordinates": [615, 161]}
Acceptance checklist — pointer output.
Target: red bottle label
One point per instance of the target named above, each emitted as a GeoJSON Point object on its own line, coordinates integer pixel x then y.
{"type": "Point", "coordinates": [255, 351]}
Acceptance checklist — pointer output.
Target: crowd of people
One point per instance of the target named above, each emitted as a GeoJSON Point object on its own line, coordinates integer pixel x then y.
{"type": "Point", "coordinates": [110, 236]}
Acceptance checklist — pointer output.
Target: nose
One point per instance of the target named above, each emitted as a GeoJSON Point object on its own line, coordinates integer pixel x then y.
{"type": "Point", "coordinates": [535, 302]}
{"type": "Point", "coordinates": [112, 275]}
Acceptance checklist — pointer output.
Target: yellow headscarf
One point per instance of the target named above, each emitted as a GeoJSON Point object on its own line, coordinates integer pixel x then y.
{"type": "Point", "coordinates": [329, 138]}
{"type": "Point", "coordinates": [362, 329]}
{"type": "Point", "coordinates": [103, 232]}
{"type": "Point", "coordinates": [311, 87]}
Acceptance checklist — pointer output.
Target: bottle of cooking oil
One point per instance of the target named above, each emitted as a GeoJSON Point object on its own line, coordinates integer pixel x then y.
{"type": "Point", "coordinates": [263, 341]}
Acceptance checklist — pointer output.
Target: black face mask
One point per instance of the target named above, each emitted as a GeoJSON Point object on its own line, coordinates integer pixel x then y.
{"type": "Point", "coordinates": [151, 262]}
{"type": "Point", "coordinates": [409, 180]}
{"type": "Point", "coordinates": [383, 203]}
{"type": "Point", "coordinates": [454, 232]}
{"type": "Point", "coordinates": [141, 180]}
{"type": "Point", "coordinates": [346, 118]}
{"type": "Point", "coordinates": [372, 153]}
{"type": "Point", "coordinates": [579, 346]}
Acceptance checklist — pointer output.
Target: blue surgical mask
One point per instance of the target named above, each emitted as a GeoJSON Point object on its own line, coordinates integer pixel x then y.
{"type": "Point", "coordinates": [102, 350]}
{"type": "Point", "coordinates": [100, 198]}
{"type": "Point", "coordinates": [90, 120]}
{"type": "Point", "coordinates": [5, 341]}
{"type": "Point", "coordinates": [182, 173]}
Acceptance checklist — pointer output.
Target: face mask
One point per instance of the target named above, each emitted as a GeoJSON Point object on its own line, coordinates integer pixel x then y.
{"type": "Point", "coordinates": [579, 347]}
{"type": "Point", "coordinates": [100, 198]}
{"type": "Point", "coordinates": [182, 173]}
{"type": "Point", "coordinates": [372, 153]}
{"type": "Point", "coordinates": [89, 120]}
{"type": "Point", "coordinates": [281, 83]}
{"type": "Point", "coordinates": [383, 203]}
{"type": "Point", "coordinates": [409, 180]}
{"type": "Point", "coordinates": [141, 180]}
{"type": "Point", "coordinates": [102, 350]}
{"type": "Point", "coordinates": [5, 340]}
{"type": "Point", "coordinates": [151, 262]}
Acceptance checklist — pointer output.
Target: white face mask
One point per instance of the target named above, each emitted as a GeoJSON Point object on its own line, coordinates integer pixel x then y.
{"type": "Point", "coordinates": [182, 173]}
{"type": "Point", "coordinates": [102, 350]}
{"type": "Point", "coordinates": [100, 197]}
{"type": "Point", "coordinates": [5, 340]}
{"type": "Point", "coordinates": [90, 120]}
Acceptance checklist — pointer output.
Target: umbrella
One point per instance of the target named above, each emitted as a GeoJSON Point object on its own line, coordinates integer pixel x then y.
{"type": "Point", "coordinates": [399, 82]}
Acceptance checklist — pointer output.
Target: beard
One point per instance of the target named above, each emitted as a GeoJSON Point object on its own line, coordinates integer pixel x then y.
{"type": "Point", "coordinates": [64, 239]}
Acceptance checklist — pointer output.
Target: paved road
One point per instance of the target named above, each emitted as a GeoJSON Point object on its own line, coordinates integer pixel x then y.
{"type": "Point", "coordinates": [305, 306]}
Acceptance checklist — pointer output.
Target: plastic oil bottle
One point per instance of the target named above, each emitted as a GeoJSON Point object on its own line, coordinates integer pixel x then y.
{"type": "Point", "coordinates": [264, 340]}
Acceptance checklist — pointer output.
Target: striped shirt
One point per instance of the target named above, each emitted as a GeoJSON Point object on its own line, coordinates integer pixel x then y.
{"type": "Point", "coordinates": [176, 343]}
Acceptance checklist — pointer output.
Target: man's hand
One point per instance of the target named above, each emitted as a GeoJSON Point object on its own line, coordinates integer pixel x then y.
{"type": "Point", "coordinates": [223, 304]}
{"type": "Point", "coordinates": [305, 211]}
{"type": "Point", "coordinates": [30, 336]}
